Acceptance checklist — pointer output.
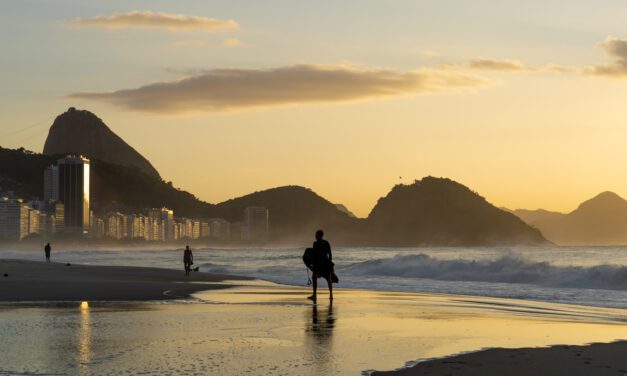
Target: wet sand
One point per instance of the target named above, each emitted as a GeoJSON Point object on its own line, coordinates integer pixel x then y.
{"type": "Point", "coordinates": [277, 331]}
{"type": "Point", "coordinates": [595, 359]}
{"type": "Point", "coordinates": [41, 281]}
{"type": "Point", "coordinates": [382, 331]}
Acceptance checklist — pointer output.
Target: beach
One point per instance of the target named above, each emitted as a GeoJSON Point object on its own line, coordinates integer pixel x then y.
{"type": "Point", "coordinates": [154, 321]}
{"type": "Point", "coordinates": [23, 280]}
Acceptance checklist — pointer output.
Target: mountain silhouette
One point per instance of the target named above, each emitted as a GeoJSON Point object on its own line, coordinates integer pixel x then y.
{"type": "Point", "coordinates": [343, 208]}
{"type": "Point", "coordinates": [82, 132]}
{"type": "Point", "coordinates": [438, 211]}
{"type": "Point", "coordinates": [601, 220]}
{"type": "Point", "coordinates": [432, 211]}
{"type": "Point", "coordinates": [295, 214]}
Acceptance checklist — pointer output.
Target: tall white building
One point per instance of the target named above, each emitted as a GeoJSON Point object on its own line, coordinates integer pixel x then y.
{"type": "Point", "coordinates": [14, 216]}
{"type": "Point", "coordinates": [205, 230]}
{"type": "Point", "coordinates": [33, 221]}
{"type": "Point", "coordinates": [114, 225]}
{"type": "Point", "coordinates": [165, 217]}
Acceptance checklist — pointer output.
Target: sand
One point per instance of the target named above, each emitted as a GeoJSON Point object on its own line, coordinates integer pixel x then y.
{"type": "Point", "coordinates": [279, 332]}
{"type": "Point", "coordinates": [595, 359]}
{"type": "Point", "coordinates": [41, 281]}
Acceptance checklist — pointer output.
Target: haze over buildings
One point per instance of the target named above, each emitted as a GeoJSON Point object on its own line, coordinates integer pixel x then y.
{"type": "Point", "coordinates": [66, 211]}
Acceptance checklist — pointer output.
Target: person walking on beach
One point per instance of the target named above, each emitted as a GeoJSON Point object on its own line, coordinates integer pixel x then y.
{"type": "Point", "coordinates": [322, 265]}
{"type": "Point", "coordinates": [47, 250]}
{"type": "Point", "coordinates": [188, 260]}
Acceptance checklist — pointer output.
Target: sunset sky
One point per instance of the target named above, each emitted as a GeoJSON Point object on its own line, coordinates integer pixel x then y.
{"type": "Point", "coordinates": [524, 102]}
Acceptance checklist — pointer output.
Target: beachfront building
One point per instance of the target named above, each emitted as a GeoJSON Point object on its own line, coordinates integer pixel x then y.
{"type": "Point", "coordinates": [165, 217]}
{"type": "Point", "coordinates": [73, 191]}
{"type": "Point", "coordinates": [256, 221]}
{"type": "Point", "coordinates": [33, 221]}
{"type": "Point", "coordinates": [51, 217]}
{"type": "Point", "coordinates": [237, 231]}
{"type": "Point", "coordinates": [189, 228]}
{"type": "Point", "coordinates": [219, 228]}
{"type": "Point", "coordinates": [176, 230]}
{"type": "Point", "coordinates": [205, 230]}
{"type": "Point", "coordinates": [51, 183]}
{"type": "Point", "coordinates": [97, 227]}
{"type": "Point", "coordinates": [14, 215]}
{"type": "Point", "coordinates": [186, 228]}
{"type": "Point", "coordinates": [58, 211]}
{"type": "Point", "coordinates": [135, 226]}
{"type": "Point", "coordinates": [46, 224]}
{"type": "Point", "coordinates": [195, 230]}
{"type": "Point", "coordinates": [114, 225]}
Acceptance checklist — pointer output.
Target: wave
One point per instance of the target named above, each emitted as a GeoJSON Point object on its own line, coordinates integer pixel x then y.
{"type": "Point", "coordinates": [506, 269]}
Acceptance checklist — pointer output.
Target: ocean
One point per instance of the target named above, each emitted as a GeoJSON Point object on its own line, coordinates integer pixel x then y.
{"type": "Point", "coordinates": [593, 276]}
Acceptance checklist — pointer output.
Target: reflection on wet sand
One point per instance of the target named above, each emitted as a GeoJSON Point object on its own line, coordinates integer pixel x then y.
{"type": "Point", "coordinates": [84, 339]}
{"type": "Point", "coordinates": [319, 338]}
{"type": "Point", "coordinates": [274, 330]}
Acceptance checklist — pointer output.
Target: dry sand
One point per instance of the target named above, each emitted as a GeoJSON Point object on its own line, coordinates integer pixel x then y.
{"type": "Point", "coordinates": [40, 281]}
{"type": "Point", "coordinates": [595, 359]}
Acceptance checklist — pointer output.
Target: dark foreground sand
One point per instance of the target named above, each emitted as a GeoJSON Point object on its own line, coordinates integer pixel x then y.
{"type": "Point", "coordinates": [41, 281]}
{"type": "Point", "coordinates": [596, 359]}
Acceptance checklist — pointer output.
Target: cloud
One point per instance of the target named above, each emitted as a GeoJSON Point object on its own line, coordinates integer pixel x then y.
{"type": "Point", "coordinates": [155, 20]}
{"type": "Point", "coordinates": [231, 42]}
{"type": "Point", "coordinates": [233, 89]}
{"type": "Point", "coordinates": [515, 66]}
{"type": "Point", "coordinates": [499, 65]}
{"type": "Point", "coordinates": [192, 43]}
{"type": "Point", "coordinates": [554, 68]}
{"type": "Point", "coordinates": [616, 48]}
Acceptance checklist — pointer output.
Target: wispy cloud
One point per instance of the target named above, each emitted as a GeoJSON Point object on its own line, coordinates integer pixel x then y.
{"type": "Point", "coordinates": [231, 42]}
{"type": "Point", "coordinates": [616, 48]}
{"type": "Point", "coordinates": [499, 65]}
{"type": "Point", "coordinates": [233, 89]}
{"type": "Point", "coordinates": [155, 20]}
{"type": "Point", "coordinates": [515, 66]}
{"type": "Point", "coordinates": [192, 43]}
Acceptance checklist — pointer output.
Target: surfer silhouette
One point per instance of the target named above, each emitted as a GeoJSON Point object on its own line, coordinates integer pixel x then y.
{"type": "Point", "coordinates": [320, 260]}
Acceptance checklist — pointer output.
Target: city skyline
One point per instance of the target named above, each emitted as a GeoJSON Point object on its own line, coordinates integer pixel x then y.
{"type": "Point", "coordinates": [529, 116]}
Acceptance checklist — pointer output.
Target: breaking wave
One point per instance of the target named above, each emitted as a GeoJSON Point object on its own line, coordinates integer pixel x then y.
{"type": "Point", "coordinates": [506, 269]}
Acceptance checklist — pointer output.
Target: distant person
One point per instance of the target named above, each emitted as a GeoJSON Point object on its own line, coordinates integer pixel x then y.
{"type": "Point", "coordinates": [188, 260]}
{"type": "Point", "coordinates": [47, 250]}
{"type": "Point", "coordinates": [320, 260]}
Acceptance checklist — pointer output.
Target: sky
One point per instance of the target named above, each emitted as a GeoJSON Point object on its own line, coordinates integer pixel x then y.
{"type": "Point", "coordinates": [523, 102]}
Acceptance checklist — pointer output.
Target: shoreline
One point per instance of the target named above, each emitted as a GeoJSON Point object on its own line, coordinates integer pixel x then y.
{"type": "Point", "coordinates": [37, 281]}
{"type": "Point", "coordinates": [390, 327]}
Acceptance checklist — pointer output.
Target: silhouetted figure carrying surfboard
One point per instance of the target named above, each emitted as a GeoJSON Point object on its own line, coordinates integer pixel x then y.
{"type": "Point", "coordinates": [320, 260]}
